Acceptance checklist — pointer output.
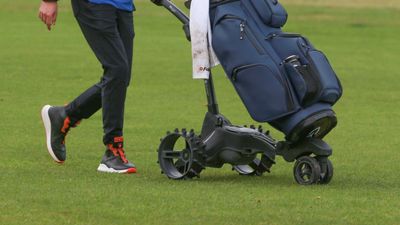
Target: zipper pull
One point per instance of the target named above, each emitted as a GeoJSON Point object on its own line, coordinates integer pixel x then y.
{"type": "Point", "coordinates": [241, 30]}
{"type": "Point", "coordinates": [271, 36]}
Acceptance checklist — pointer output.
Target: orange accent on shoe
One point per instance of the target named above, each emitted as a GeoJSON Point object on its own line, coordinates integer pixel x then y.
{"type": "Point", "coordinates": [122, 154]}
{"type": "Point", "coordinates": [66, 125]}
{"type": "Point", "coordinates": [118, 152]}
{"type": "Point", "coordinates": [118, 139]}
{"type": "Point", "coordinates": [112, 149]}
{"type": "Point", "coordinates": [131, 170]}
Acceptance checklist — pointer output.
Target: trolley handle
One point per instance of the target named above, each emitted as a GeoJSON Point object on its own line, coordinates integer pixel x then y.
{"type": "Point", "coordinates": [209, 84]}
{"type": "Point", "coordinates": [178, 13]}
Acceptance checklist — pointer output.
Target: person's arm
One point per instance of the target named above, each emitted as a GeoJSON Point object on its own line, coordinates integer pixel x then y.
{"type": "Point", "coordinates": [48, 12]}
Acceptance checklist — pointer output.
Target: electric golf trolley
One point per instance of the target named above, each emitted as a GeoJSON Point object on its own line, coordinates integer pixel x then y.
{"type": "Point", "coordinates": [281, 78]}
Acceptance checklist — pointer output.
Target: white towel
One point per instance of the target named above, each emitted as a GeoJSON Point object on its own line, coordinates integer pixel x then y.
{"type": "Point", "coordinates": [200, 32]}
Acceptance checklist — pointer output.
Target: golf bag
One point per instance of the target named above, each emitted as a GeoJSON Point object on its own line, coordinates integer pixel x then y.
{"type": "Point", "coordinates": [280, 77]}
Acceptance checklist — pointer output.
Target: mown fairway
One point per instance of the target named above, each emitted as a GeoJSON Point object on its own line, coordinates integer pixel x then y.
{"type": "Point", "coordinates": [39, 67]}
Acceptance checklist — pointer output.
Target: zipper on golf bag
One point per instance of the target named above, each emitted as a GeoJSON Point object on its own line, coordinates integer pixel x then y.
{"type": "Point", "coordinates": [235, 43]}
{"type": "Point", "coordinates": [246, 32]}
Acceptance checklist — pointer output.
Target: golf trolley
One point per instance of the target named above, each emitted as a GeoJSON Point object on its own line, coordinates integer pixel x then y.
{"type": "Point", "coordinates": [249, 150]}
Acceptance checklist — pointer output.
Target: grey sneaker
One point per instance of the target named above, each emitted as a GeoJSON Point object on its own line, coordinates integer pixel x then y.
{"type": "Point", "coordinates": [114, 160]}
{"type": "Point", "coordinates": [56, 124]}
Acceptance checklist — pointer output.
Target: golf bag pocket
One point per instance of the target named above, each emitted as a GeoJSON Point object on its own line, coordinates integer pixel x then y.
{"type": "Point", "coordinates": [305, 84]}
{"type": "Point", "coordinates": [265, 92]}
{"type": "Point", "coordinates": [289, 44]}
{"type": "Point", "coordinates": [271, 12]}
{"type": "Point", "coordinates": [233, 39]}
{"type": "Point", "coordinates": [297, 81]}
{"type": "Point", "coordinates": [319, 67]}
{"type": "Point", "coordinates": [309, 71]}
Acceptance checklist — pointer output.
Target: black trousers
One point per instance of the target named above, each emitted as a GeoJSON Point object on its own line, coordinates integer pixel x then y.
{"type": "Point", "coordinates": [110, 33]}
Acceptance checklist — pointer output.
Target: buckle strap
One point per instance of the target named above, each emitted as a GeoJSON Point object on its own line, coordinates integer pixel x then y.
{"type": "Point", "coordinates": [118, 139]}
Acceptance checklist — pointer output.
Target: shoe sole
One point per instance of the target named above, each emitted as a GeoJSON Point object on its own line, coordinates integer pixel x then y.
{"type": "Point", "coordinates": [105, 169]}
{"type": "Point", "coordinates": [47, 127]}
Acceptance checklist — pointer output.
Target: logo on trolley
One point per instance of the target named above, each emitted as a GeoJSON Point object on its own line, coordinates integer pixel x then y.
{"type": "Point", "coordinates": [314, 132]}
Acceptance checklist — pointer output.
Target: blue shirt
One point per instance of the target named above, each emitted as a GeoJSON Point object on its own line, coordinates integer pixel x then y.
{"type": "Point", "coordinates": [119, 4]}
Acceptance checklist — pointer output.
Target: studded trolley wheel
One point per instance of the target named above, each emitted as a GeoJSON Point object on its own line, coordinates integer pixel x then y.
{"type": "Point", "coordinates": [179, 155]}
{"type": "Point", "coordinates": [248, 170]}
{"type": "Point", "coordinates": [256, 167]}
{"type": "Point", "coordinates": [307, 170]}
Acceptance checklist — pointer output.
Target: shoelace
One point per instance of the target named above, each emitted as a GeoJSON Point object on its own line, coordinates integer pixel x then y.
{"type": "Point", "coordinates": [118, 152]}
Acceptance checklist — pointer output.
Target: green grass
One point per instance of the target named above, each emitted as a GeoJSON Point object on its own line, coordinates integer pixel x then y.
{"type": "Point", "coordinates": [39, 67]}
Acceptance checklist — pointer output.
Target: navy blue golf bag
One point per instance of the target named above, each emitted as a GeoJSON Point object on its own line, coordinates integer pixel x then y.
{"type": "Point", "coordinates": [280, 77]}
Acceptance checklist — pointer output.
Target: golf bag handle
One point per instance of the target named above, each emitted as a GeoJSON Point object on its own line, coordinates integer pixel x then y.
{"type": "Point", "coordinates": [178, 13]}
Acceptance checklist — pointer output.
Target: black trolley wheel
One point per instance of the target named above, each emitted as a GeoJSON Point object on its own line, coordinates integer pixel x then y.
{"type": "Point", "coordinates": [326, 170]}
{"type": "Point", "coordinates": [307, 170]}
{"type": "Point", "coordinates": [178, 163]}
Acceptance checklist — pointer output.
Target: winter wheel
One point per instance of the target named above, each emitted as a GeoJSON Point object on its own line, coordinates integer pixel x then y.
{"type": "Point", "coordinates": [307, 170]}
{"type": "Point", "coordinates": [256, 167]}
{"type": "Point", "coordinates": [248, 170]}
{"type": "Point", "coordinates": [179, 155]}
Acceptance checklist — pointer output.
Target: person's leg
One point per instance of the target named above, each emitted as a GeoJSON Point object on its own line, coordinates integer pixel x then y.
{"type": "Point", "coordinates": [89, 101]}
{"type": "Point", "coordinates": [127, 33]}
{"type": "Point", "coordinates": [114, 159]}
{"type": "Point", "coordinates": [85, 105]}
{"type": "Point", "coordinates": [100, 26]}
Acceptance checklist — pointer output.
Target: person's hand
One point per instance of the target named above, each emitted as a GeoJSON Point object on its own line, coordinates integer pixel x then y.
{"type": "Point", "coordinates": [48, 13]}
